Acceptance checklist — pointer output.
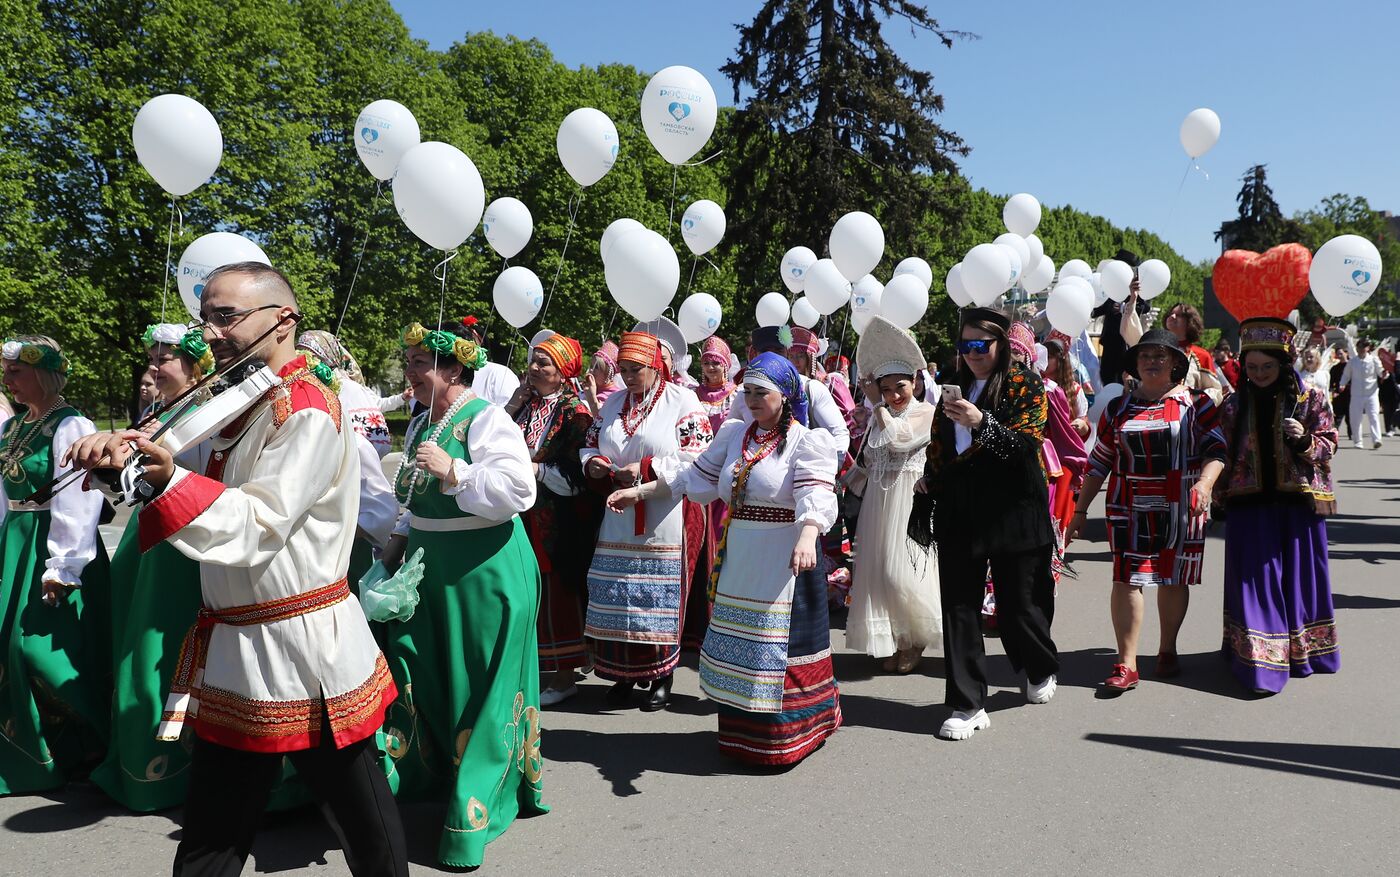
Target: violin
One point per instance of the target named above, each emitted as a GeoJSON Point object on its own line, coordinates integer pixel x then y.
{"type": "Point", "coordinates": [185, 405]}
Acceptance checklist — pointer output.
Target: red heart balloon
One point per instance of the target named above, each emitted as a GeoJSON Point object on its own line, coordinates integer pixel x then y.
{"type": "Point", "coordinates": [1266, 284]}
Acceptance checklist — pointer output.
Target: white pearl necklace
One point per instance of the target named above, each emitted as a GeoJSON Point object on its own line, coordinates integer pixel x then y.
{"type": "Point", "coordinates": [438, 429]}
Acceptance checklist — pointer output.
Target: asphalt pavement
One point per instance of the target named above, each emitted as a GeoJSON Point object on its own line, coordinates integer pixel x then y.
{"type": "Point", "coordinates": [1190, 776]}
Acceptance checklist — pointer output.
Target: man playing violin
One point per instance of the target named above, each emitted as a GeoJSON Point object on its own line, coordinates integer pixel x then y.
{"type": "Point", "coordinates": [281, 660]}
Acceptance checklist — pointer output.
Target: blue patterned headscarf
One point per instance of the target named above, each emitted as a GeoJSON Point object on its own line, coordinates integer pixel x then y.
{"type": "Point", "coordinates": [774, 371]}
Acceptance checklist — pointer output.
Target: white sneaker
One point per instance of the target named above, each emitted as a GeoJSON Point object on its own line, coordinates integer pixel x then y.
{"type": "Point", "coordinates": [962, 724]}
{"type": "Point", "coordinates": [552, 696]}
{"type": "Point", "coordinates": [1039, 692]}
{"type": "Point", "coordinates": [1359, 446]}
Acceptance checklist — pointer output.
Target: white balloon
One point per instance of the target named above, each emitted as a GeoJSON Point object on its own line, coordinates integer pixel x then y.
{"type": "Point", "coordinates": [1068, 307]}
{"type": "Point", "coordinates": [795, 265]}
{"type": "Point", "coordinates": [507, 225]}
{"type": "Point", "coordinates": [1019, 245]}
{"type": "Point", "coordinates": [956, 291]}
{"type": "Point", "coordinates": [1199, 131]}
{"type": "Point", "coordinates": [857, 244]}
{"type": "Point", "coordinates": [642, 273]}
{"type": "Point", "coordinates": [1075, 268]}
{"type": "Point", "coordinates": [803, 314]}
{"type": "Point", "coordinates": [916, 266]}
{"type": "Point", "coordinates": [439, 194]}
{"type": "Point", "coordinates": [827, 288]}
{"type": "Point", "coordinates": [772, 309]}
{"type": "Point", "coordinates": [1153, 278]}
{"type": "Point", "coordinates": [616, 229]}
{"type": "Point", "coordinates": [587, 145]}
{"type": "Point", "coordinates": [1101, 400]}
{"type": "Point", "coordinates": [518, 295]}
{"type": "Point", "coordinates": [699, 317]}
{"type": "Point", "coordinates": [178, 142]}
{"type": "Point", "coordinates": [866, 296]}
{"type": "Point", "coordinates": [206, 253]}
{"type": "Point", "coordinates": [384, 131]}
{"type": "Point", "coordinates": [702, 226]}
{"type": "Point", "coordinates": [1344, 273]}
{"type": "Point", "coordinates": [1021, 214]}
{"type": "Point", "coordinates": [678, 113]}
{"type": "Point", "coordinates": [1096, 286]}
{"type": "Point", "coordinates": [1100, 297]}
{"type": "Point", "coordinates": [1034, 250]}
{"type": "Point", "coordinates": [1117, 277]}
{"type": "Point", "coordinates": [1039, 277]}
{"type": "Point", "coordinates": [985, 270]}
{"type": "Point", "coordinates": [905, 301]}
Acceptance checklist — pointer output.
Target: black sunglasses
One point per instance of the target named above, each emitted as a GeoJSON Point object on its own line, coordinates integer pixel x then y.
{"type": "Point", "coordinates": [975, 345]}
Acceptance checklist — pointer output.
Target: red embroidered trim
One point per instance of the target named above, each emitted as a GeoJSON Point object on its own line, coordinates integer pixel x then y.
{"type": "Point", "coordinates": [175, 508]}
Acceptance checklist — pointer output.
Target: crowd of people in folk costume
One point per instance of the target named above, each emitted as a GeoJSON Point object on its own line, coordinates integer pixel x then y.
{"type": "Point", "coordinates": [603, 516]}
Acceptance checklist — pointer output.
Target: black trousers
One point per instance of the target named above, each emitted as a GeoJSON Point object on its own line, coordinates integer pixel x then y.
{"type": "Point", "coordinates": [229, 789]}
{"type": "Point", "coordinates": [1025, 608]}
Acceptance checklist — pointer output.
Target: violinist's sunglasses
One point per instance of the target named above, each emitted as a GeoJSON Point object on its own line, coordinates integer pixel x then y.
{"type": "Point", "coordinates": [975, 345]}
{"type": "Point", "coordinates": [221, 320]}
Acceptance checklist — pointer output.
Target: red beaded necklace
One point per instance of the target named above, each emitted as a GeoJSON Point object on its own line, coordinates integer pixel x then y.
{"type": "Point", "coordinates": [634, 416]}
{"type": "Point", "coordinates": [765, 442]}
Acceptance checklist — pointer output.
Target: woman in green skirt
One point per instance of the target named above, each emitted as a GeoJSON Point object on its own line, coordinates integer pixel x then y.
{"type": "Point", "coordinates": [467, 723]}
{"type": "Point", "coordinates": [55, 668]}
{"type": "Point", "coordinates": [155, 598]}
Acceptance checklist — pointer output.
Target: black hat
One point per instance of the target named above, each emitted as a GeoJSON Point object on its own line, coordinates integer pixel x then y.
{"type": "Point", "coordinates": [986, 315]}
{"type": "Point", "coordinates": [1133, 259]}
{"type": "Point", "coordinates": [771, 338]}
{"type": "Point", "coordinates": [1156, 338]}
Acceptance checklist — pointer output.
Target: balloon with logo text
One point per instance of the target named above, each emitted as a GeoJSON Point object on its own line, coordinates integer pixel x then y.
{"type": "Point", "coordinates": [678, 113]}
{"type": "Point", "coordinates": [206, 253]}
{"type": "Point", "coordinates": [866, 296]}
{"type": "Point", "coordinates": [507, 225]}
{"type": "Point", "coordinates": [517, 295]}
{"type": "Point", "coordinates": [1345, 272]}
{"type": "Point", "coordinates": [384, 131]}
{"type": "Point", "coordinates": [178, 142]}
{"type": "Point", "coordinates": [796, 262]}
{"type": "Point", "coordinates": [702, 226]}
{"type": "Point", "coordinates": [439, 194]}
{"type": "Point", "coordinates": [587, 145]}
{"type": "Point", "coordinates": [699, 317]}
{"type": "Point", "coordinates": [642, 273]}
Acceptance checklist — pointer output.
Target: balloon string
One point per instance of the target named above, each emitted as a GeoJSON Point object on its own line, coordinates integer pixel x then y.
{"type": "Point", "coordinates": [841, 339]}
{"type": "Point", "coordinates": [575, 202]}
{"type": "Point", "coordinates": [369, 228]}
{"type": "Point", "coordinates": [703, 160]}
{"type": "Point", "coordinates": [608, 331]}
{"type": "Point", "coordinates": [1179, 186]}
{"type": "Point", "coordinates": [694, 263]}
{"type": "Point", "coordinates": [169, 242]}
{"type": "Point", "coordinates": [442, 311]}
{"type": "Point", "coordinates": [671, 211]}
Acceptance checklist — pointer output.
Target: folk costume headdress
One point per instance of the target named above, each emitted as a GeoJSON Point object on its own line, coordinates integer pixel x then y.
{"type": "Point", "coordinates": [885, 349]}
{"type": "Point", "coordinates": [189, 342]}
{"type": "Point", "coordinates": [38, 355]}
{"type": "Point", "coordinates": [469, 353]}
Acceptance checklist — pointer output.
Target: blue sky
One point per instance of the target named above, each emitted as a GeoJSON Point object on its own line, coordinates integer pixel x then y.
{"type": "Point", "coordinates": [1076, 102]}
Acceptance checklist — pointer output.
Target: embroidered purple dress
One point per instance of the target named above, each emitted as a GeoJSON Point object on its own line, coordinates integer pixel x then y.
{"type": "Point", "coordinates": [1279, 619]}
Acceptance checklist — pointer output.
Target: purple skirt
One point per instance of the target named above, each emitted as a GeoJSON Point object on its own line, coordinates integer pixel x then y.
{"type": "Point", "coordinates": [1279, 620]}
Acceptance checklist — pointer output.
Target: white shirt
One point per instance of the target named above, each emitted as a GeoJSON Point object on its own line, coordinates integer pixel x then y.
{"type": "Point", "coordinates": [822, 413]}
{"type": "Point", "coordinates": [962, 436]}
{"type": "Point", "coordinates": [365, 412]}
{"type": "Point", "coordinates": [1363, 374]}
{"type": "Point", "coordinates": [800, 478]}
{"type": "Point", "coordinates": [73, 512]}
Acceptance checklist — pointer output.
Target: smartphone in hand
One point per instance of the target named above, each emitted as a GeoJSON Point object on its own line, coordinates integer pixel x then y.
{"type": "Point", "coordinates": [951, 393]}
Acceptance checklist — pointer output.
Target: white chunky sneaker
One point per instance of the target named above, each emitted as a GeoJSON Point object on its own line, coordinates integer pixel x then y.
{"type": "Point", "coordinates": [552, 696]}
{"type": "Point", "coordinates": [1040, 692]}
{"type": "Point", "coordinates": [962, 724]}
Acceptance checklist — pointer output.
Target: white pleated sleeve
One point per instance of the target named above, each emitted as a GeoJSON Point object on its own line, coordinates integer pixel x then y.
{"type": "Point", "coordinates": [814, 480]}
{"type": "Point", "coordinates": [499, 483]}
{"type": "Point", "coordinates": [73, 513]}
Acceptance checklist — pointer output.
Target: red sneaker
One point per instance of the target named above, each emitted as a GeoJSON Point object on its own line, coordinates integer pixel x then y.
{"type": "Point", "coordinates": [1121, 679]}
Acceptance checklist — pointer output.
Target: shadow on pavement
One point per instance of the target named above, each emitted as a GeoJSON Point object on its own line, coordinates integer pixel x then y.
{"type": "Point", "coordinates": [76, 806]}
{"type": "Point", "coordinates": [1363, 601]}
{"type": "Point", "coordinates": [622, 758]}
{"type": "Point", "coordinates": [1367, 765]}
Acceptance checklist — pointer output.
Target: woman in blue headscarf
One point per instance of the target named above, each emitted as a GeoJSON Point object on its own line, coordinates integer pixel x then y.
{"type": "Point", "coordinates": [766, 660]}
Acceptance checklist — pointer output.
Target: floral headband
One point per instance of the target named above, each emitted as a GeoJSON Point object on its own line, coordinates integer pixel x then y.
{"type": "Point", "coordinates": [37, 355]}
{"type": "Point", "coordinates": [190, 342]}
{"type": "Point", "coordinates": [468, 353]}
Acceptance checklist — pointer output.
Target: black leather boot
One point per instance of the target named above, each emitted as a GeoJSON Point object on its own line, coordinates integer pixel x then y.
{"type": "Point", "coordinates": [619, 695]}
{"type": "Point", "coordinates": [660, 694]}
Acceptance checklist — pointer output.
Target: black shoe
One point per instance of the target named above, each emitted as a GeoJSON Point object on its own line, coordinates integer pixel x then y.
{"type": "Point", "coordinates": [619, 695]}
{"type": "Point", "coordinates": [660, 694]}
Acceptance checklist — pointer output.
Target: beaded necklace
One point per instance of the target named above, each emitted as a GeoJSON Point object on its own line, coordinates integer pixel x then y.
{"type": "Point", "coordinates": [633, 416]}
{"type": "Point", "coordinates": [765, 442]}
{"type": "Point", "coordinates": [437, 431]}
{"type": "Point", "coordinates": [18, 449]}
